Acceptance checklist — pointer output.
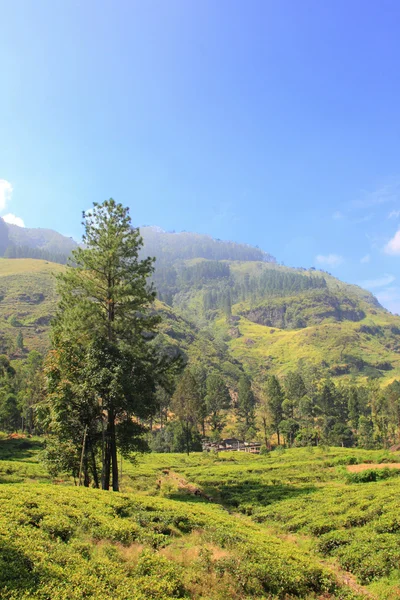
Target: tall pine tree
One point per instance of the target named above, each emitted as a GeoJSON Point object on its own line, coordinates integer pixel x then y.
{"type": "Point", "coordinates": [104, 309]}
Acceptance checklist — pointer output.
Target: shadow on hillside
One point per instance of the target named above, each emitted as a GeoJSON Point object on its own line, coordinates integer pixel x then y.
{"type": "Point", "coordinates": [246, 494]}
{"type": "Point", "coordinates": [20, 449]}
{"type": "Point", "coordinates": [254, 493]}
{"type": "Point", "coordinates": [17, 571]}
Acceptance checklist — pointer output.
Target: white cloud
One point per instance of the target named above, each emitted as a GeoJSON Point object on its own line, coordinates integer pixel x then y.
{"type": "Point", "coordinates": [5, 193]}
{"type": "Point", "coordinates": [365, 259]}
{"type": "Point", "coordinates": [393, 245]}
{"type": "Point", "coordinates": [332, 260]}
{"type": "Point", "coordinates": [13, 220]}
{"type": "Point", "coordinates": [337, 215]}
{"type": "Point", "coordinates": [379, 282]}
{"type": "Point", "coordinates": [394, 214]}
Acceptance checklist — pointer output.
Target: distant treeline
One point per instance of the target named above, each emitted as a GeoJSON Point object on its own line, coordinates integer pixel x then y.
{"type": "Point", "coordinates": [301, 409]}
{"type": "Point", "coordinates": [231, 288]}
{"type": "Point", "coordinates": [13, 251]}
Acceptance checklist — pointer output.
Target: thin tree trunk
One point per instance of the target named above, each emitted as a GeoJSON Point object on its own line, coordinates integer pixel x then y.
{"type": "Point", "coordinates": [94, 466]}
{"type": "Point", "coordinates": [103, 453]}
{"type": "Point", "coordinates": [279, 439]}
{"type": "Point", "coordinates": [187, 438]}
{"type": "Point", "coordinates": [86, 479]}
{"type": "Point", "coordinates": [266, 436]}
{"type": "Point", "coordinates": [107, 457]}
{"type": "Point", "coordinates": [82, 455]}
{"type": "Point", "coordinates": [114, 459]}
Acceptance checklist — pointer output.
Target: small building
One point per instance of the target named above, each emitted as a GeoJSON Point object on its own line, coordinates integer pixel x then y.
{"type": "Point", "coordinates": [232, 445]}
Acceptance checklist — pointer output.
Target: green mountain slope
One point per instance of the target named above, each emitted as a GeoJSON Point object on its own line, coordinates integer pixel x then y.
{"type": "Point", "coordinates": [28, 301]}
{"type": "Point", "coordinates": [234, 307]}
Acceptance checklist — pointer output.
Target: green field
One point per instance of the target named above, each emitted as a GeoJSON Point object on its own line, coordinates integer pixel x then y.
{"type": "Point", "coordinates": [293, 523]}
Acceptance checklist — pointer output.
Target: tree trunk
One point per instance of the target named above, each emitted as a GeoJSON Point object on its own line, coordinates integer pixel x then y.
{"type": "Point", "coordinates": [107, 457]}
{"type": "Point", "coordinates": [264, 423]}
{"type": "Point", "coordinates": [86, 479]}
{"type": "Point", "coordinates": [279, 439]}
{"type": "Point", "coordinates": [187, 438]}
{"type": "Point", "coordinates": [94, 466]}
{"type": "Point", "coordinates": [114, 459]}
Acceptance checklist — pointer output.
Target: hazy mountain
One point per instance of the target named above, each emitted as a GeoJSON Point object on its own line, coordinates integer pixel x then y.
{"type": "Point", "coordinates": [42, 239]}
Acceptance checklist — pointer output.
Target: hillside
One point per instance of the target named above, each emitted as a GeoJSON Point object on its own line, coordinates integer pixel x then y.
{"type": "Point", "coordinates": [27, 302]}
{"type": "Point", "coordinates": [232, 304]}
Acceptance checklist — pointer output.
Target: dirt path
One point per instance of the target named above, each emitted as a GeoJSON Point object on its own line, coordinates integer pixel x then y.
{"type": "Point", "coordinates": [366, 466]}
{"type": "Point", "coordinates": [183, 484]}
{"type": "Point", "coordinates": [343, 577]}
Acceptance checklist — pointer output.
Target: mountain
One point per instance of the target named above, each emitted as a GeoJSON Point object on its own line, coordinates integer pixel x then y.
{"type": "Point", "coordinates": [170, 247]}
{"type": "Point", "coordinates": [43, 239]}
{"type": "Point", "coordinates": [23, 242]}
{"type": "Point", "coordinates": [231, 304]}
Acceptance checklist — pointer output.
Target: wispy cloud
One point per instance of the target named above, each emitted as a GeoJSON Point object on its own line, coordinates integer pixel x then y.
{"type": "Point", "coordinates": [331, 260]}
{"type": "Point", "coordinates": [394, 214]}
{"type": "Point", "coordinates": [364, 219]}
{"type": "Point", "coordinates": [393, 245]}
{"type": "Point", "coordinates": [13, 220]}
{"type": "Point", "coordinates": [5, 193]}
{"type": "Point", "coordinates": [386, 279]}
{"type": "Point", "coordinates": [389, 192]}
{"type": "Point", "coordinates": [365, 259]}
{"type": "Point", "coordinates": [337, 215]}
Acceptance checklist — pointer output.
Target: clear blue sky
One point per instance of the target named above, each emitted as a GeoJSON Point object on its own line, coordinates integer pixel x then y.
{"type": "Point", "coordinates": [271, 123]}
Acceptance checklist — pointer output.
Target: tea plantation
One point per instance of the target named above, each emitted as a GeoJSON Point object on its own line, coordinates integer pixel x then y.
{"type": "Point", "coordinates": [294, 523]}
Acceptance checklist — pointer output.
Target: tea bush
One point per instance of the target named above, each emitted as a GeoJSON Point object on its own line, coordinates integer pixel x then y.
{"type": "Point", "coordinates": [63, 542]}
{"type": "Point", "coordinates": [157, 540]}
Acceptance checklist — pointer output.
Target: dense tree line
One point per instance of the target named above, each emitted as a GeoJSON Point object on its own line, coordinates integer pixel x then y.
{"type": "Point", "coordinates": [21, 390]}
{"type": "Point", "coordinates": [300, 409]}
{"type": "Point", "coordinates": [304, 409]}
{"type": "Point", "coordinates": [15, 251]}
{"type": "Point", "coordinates": [217, 281]}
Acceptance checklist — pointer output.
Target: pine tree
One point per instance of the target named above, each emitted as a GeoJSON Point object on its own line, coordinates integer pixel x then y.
{"type": "Point", "coordinates": [20, 341]}
{"type": "Point", "coordinates": [102, 329]}
{"type": "Point", "coordinates": [245, 406]}
{"type": "Point", "coordinates": [186, 405]}
{"type": "Point", "coordinates": [275, 401]}
{"type": "Point", "coordinates": [217, 400]}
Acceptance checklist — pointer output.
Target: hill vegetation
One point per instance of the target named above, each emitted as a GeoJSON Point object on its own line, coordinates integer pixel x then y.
{"type": "Point", "coordinates": [291, 524]}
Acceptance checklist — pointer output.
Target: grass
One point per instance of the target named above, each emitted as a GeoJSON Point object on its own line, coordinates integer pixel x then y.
{"type": "Point", "coordinates": [28, 297]}
{"type": "Point", "coordinates": [264, 349]}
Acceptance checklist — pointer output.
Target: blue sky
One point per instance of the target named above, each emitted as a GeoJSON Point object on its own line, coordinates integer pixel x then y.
{"type": "Point", "coordinates": [270, 123]}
